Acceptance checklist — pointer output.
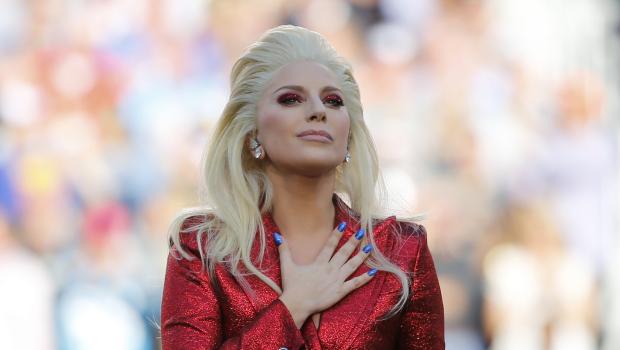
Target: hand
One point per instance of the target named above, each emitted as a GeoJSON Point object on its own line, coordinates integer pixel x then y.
{"type": "Point", "coordinates": [308, 289]}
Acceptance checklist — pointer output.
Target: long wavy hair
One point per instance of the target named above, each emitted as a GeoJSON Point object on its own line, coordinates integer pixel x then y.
{"type": "Point", "coordinates": [237, 192]}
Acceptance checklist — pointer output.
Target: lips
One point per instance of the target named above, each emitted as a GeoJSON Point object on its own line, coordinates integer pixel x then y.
{"type": "Point", "coordinates": [313, 132]}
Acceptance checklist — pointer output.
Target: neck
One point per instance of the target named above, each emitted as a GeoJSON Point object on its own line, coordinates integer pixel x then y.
{"type": "Point", "coordinates": [302, 206]}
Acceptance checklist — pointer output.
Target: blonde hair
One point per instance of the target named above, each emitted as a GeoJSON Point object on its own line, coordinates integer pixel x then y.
{"type": "Point", "coordinates": [235, 183]}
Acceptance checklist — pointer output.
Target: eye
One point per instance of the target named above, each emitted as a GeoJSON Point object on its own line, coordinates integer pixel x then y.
{"type": "Point", "coordinates": [289, 99]}
{"type": "Point", "coordinates": [334, 100]}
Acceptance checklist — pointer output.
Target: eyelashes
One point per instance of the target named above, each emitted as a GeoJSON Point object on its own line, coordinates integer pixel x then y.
{"type": "Point", "coordinates": [292, 98]}
{"type": "Point", "coordinates": [289, 99]}
{"type": "Point", "coordinates": [334, 100]}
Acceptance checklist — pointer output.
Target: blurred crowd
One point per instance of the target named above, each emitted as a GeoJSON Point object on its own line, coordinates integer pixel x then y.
{"type": "Point", "coordinates": [498, 119]}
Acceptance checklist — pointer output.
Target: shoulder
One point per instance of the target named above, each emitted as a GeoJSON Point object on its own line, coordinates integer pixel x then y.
{"type": "Point", "coordinates": [410, 229]}
{"type": "Point", "coordinates": [188, 233]}
{"type": "Point", "coordinates": [403, 229]}
{"type": "Point", "coordinates": [194, 222]}
{"type": "Point", "coordinates": [410, 238]}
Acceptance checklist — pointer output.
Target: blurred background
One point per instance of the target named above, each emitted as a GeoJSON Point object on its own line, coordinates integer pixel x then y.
{"type": "Point", "coordinates": [498, 119]}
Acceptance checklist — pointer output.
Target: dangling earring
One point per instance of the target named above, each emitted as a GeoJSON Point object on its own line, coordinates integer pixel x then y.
{"type": "Point", "coordinates": [256, 148]}
{"type": "Point", "coordinates": [347, 157]}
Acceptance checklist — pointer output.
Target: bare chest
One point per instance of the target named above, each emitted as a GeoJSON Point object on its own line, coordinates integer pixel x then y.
{"type": "Point", "coordinates": [305, 251]}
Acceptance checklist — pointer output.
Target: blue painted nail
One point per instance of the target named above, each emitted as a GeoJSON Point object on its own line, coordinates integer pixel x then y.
{"type": "Point", "coordinates": [372, 272]}
{"type": "Point", "coordinates": [277, 238]}
{"type": "Point", "coordinates": [367, 248]}
{"type": "Point", "coordinates": [360, 234]}
{"type": "Point", "coordinates": [342, 226]}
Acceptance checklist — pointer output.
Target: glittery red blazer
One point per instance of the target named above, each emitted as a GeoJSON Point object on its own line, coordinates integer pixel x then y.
{"type": "Point", "coordinates": [195, 315]}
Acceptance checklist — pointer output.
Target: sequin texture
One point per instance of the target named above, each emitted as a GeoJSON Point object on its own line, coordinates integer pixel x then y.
{"type": "Point", "coordinates": [197, 316]}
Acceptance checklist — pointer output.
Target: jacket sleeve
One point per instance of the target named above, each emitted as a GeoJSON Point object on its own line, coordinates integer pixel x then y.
{"type": "Point", "coordinates": [422, 324]}
{"type": "Point", "coordinates": [191, 316]}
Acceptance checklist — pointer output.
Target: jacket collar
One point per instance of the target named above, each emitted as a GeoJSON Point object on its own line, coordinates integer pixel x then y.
{"type": "Point", "coordinates": [332, 325]}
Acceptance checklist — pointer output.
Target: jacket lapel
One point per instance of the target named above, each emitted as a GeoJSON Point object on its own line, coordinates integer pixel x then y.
{"type": "Point", "coordinates": [270, 266]}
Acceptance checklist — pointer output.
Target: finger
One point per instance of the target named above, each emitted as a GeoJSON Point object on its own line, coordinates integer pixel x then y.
{"type": "Point", "coordinates": [350, 266]}
{"type": "Point", "coordinates": [285, 253]}
{"type": "Point", "coordinates": [343, 254]}
{"type": "Point", "coordinates": [328, 249]}
{"type": "Point", "coordinates": [358, 281]}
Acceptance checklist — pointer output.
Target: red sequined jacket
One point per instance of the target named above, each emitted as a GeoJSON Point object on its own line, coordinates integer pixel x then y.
{"type": "Point", "coordinates": [195, 315]}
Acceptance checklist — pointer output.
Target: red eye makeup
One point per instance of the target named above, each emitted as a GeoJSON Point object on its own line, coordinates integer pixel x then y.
{"type": "Point", "coordinates": [289, 98]}
{"type": "Point", "coordinates": [334, 100]}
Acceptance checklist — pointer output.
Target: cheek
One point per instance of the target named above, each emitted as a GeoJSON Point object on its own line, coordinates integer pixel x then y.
{"type": "Point", "coordinates": [342, 128]}
{"type": "Point", "coordinates": [273, 124]}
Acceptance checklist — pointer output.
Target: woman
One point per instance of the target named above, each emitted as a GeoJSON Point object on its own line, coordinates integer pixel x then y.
{"type": "Point", "coordinates": [278, 260]}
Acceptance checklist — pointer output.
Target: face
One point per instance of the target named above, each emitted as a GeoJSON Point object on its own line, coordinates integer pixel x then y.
{"type": "Point", "coordinates": [303, 123]}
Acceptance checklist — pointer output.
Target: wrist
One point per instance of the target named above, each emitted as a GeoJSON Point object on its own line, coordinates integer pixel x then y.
{"type": "Point", "coordinates": [298, 313]}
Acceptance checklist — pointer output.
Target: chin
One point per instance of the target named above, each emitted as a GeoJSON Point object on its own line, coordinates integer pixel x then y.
{"type": "Point", "coordinates": [314, 167]}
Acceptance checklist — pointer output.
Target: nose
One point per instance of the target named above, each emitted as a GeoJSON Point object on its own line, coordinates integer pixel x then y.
{"type": "Point", "coordinates": [317, 111]}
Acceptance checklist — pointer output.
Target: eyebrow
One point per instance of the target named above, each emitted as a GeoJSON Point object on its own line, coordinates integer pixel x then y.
{"type": "Point", "coordinates": [301, 89]}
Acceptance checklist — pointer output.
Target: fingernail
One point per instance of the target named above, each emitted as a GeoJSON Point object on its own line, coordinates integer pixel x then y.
{"type": "Point", "coordinates": [367, 248]}
{"type": "Point", "coordinates": [277, 238]}
{"type": "Point", "coordinates": [342, 226]}
{"type": "Point", "coordinates": [372, 272]}
{"type": "Point", "coordinates": [359, 234]}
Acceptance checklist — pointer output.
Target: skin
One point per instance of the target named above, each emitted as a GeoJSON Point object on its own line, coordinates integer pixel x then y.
{"type": "Point", "coordinates": [303, 176]}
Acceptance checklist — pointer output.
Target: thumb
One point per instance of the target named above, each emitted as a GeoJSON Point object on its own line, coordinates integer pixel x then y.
{"type": "Point", "coordinates": [285, 254]}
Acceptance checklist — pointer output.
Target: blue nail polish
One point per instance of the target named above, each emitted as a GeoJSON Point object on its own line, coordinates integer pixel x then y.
{"type": "Point", "coordinates": [342, 226]}
{"type": "Point", "coordinates": [360, 234]}
{"type": "Point", "coordinates": [372, 272]}
{"type": "Point", "coordinates": [277, 238]}
{"type": "Point", "coordinates": [367, 248]}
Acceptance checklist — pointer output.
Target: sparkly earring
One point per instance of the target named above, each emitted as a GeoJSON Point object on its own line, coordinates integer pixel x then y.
{"type": "Point", "coordinates": [256, 148]}
{"type": "Point", "coordinates": [347, 158]}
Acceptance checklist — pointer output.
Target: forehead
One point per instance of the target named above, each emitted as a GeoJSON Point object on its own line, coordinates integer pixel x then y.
{"type": "Point", "coordinates": [304, 73]}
